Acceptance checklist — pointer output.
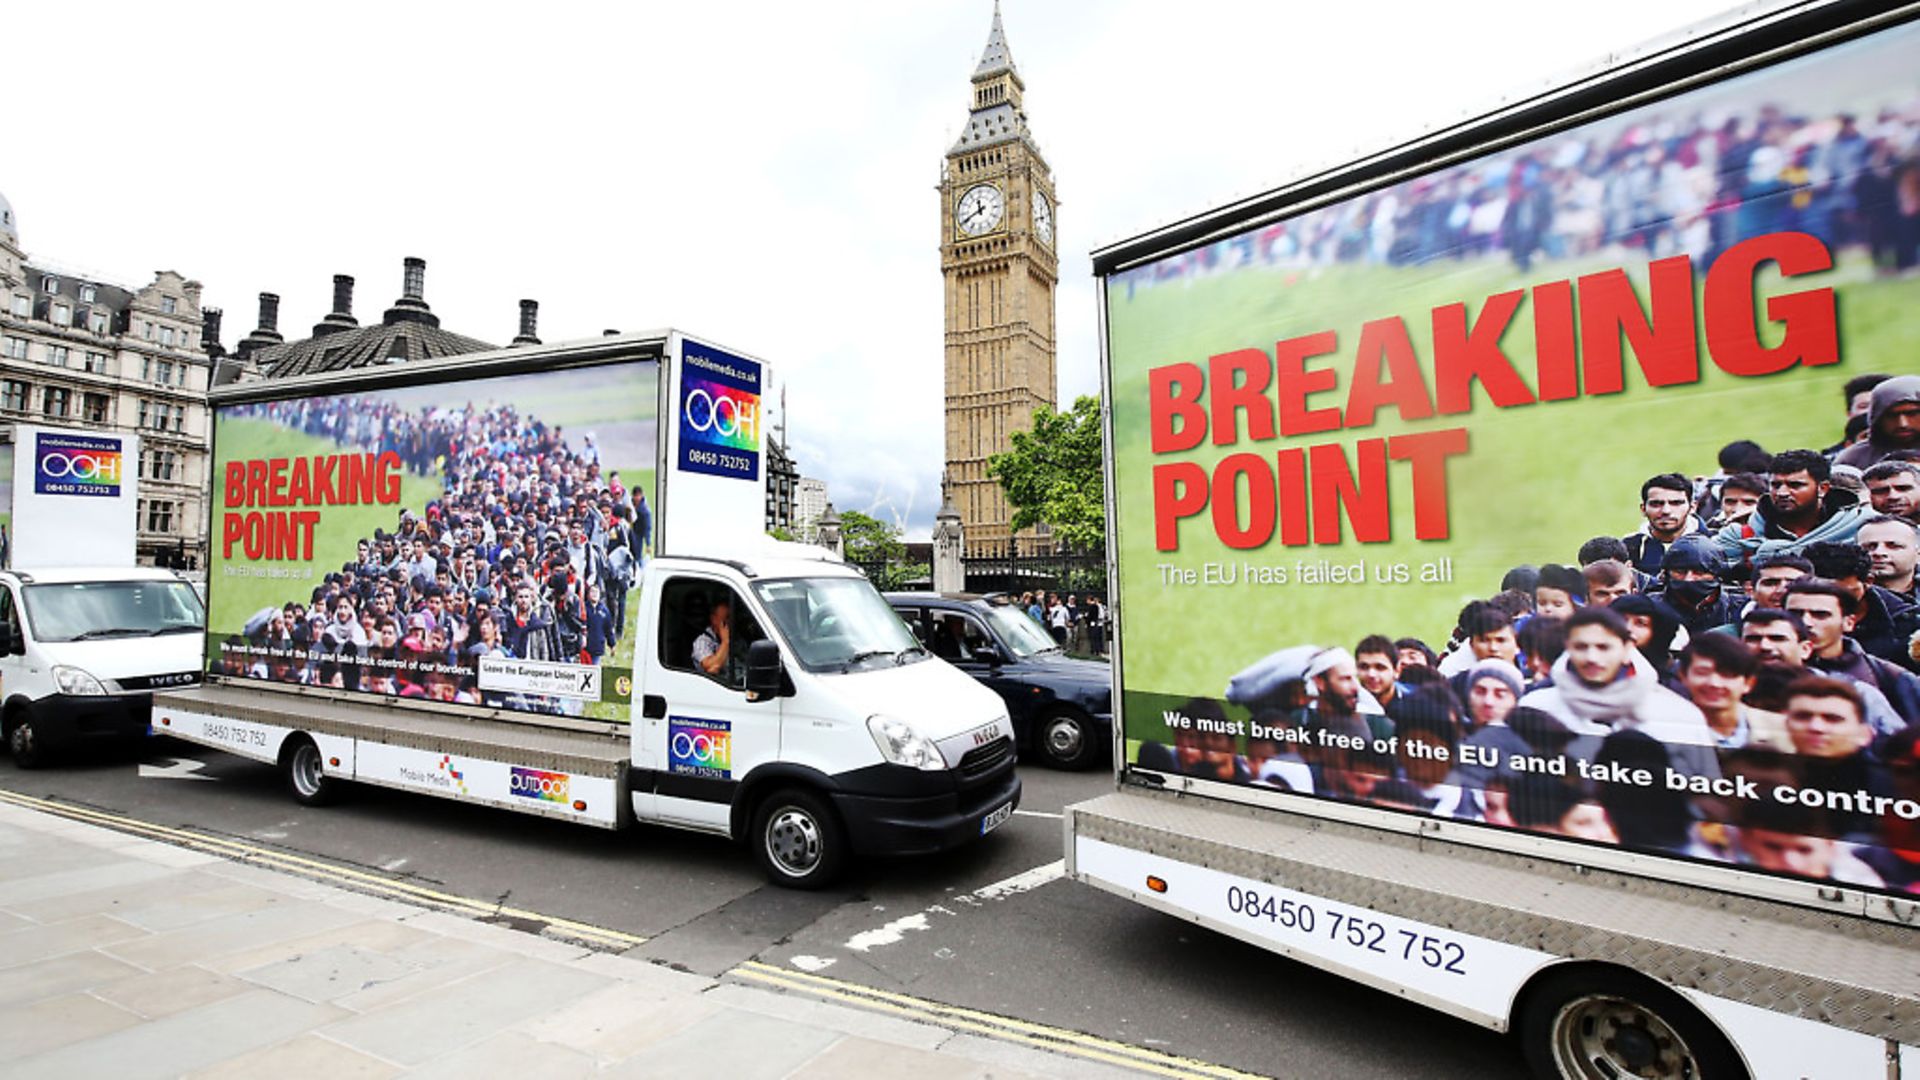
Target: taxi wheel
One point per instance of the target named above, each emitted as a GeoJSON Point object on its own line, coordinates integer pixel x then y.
{"type": "Point", "coordinates": [1065, 739]}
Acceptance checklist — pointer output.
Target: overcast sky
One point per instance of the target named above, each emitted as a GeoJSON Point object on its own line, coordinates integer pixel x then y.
{"type": "Point", "coordinates": [761, 174]}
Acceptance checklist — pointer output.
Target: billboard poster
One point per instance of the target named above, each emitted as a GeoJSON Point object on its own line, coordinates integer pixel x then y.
{"type": "Point", "coordinates": [472, 542]}
{"type": "Point", "coordinates": [77, 495]}
{"type": "Point", "coordinates": [1567, 490]}
{"type": "Point", "coordinates": [719, 413]}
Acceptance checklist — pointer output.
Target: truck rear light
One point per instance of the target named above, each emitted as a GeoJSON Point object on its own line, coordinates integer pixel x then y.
{"type": "Point", "coordinates": [166, 721]}
{"type": "Point", "coordinates": [1156, 884]}
{"type": "Point", "coordinates": [580, 805]}
{"type": "Point", "coordinates": [334, 762]}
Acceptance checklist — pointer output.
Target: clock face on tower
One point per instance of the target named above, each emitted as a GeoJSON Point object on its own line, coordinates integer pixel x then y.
{"type": "Point", "coordinates": [979, 210]}
{"type": "Point", "coordinates": [1042, 219]}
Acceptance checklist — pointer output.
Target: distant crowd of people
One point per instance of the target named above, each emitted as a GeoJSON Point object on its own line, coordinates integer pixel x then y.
{"type": "Point", "coordinates": [1078, 623]}
{"type": "Point", "coordinates": [1667, 184]}
{"type": "Point", "coordinates": [1750, 652]}
{"type": "Point", "coordinates": [528, 552]}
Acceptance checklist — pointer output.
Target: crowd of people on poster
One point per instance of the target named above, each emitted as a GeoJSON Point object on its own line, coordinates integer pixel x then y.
{"type": "Point", "coordinates": [528, 552]}
{"type": "Point", "coordinates": [1735, 680]}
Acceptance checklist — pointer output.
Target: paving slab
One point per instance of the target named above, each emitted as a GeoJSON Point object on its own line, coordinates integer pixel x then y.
{"type": "Point", "coordinates": [60, 975]}
{"type": "Point", "coordinates": [330, 973]}
{"type": "Point", "coordinates": [54, 1022]}
{"type": "Point", "coordinates": [509, 1054]}
{"type": "Point", "coordinates": [621, 1020]}
{"type": "Point", "coordinates": [232, 934]}
{"type": "Point", "coordinates": [47, 940]}
{"type": "Point", "coordinates": [182, 1042]}
{"type": "Point", "coordinates": [732, 1043]}
{"type": "Point", "coordinates": [163, 993]}
{"type": "Point", "coordinates": [307, 1055]}
{"type": "Point", "coordinates": [428, 1025]}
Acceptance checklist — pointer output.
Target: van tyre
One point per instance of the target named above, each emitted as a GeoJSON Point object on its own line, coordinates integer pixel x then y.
{"type": "Point", "coordinates": [1587, 1023]}
{"type": "Point", "coordinates": [23, 739]}
{"type": "Point", "coordinates": [798, 840]}
{"type": "Point", "coordinates": [1065, 739]}
{"type": "Point", "coordinates": [307, 779]}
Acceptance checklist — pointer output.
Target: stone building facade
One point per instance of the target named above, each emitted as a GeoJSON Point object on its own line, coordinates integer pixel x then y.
{"type": "Point", "coordinates": [83, 353]}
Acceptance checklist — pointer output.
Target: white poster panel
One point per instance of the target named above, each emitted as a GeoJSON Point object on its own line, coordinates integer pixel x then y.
{"type": "Point", "coordinates": [76, 498]}
{"type": "Point", "coordinates": [715, 491]}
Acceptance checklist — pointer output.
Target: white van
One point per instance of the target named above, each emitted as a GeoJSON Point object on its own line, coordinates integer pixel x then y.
{"type": "Point", "coordinates": [82, 651]}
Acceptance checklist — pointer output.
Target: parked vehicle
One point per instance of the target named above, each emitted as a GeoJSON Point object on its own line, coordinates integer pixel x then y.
{"type": "Point", "coordinates": [522, 618]}
{"type": "Point", "coordinates": [1339, 411]}
{"type": "Point", "coordinates": [1061, 706]}
{"type": "Point", "coordinates": [86, 636]}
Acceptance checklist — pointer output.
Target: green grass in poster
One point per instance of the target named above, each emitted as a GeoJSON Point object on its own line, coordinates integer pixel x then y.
{"type": "Point", "coordinates": [1537, 481]}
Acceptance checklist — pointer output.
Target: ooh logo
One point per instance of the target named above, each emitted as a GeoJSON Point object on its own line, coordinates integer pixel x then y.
{"type": "Point", "coordinates": [720, 419]}
{"type": "Point", "coordinates": [535, 784]}
{"type": "Point", "coordinates": [76, 465]}
{"type": "Point", "coordinates": [700, 747]}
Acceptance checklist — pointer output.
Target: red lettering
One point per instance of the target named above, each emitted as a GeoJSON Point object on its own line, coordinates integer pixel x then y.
{"type": "Point", "coordinates": [277, 482]}
{"type": "Point", "coordinates": [1230, 395]}
{"type": "Point", "coordinates": [1665, 344]}
{"type": "Point", "coordinates": [323, 490]}
{"type": "Point", "coordinates": [1226, 501]}
{"type": "Point", "coordinates": [1812, 328]}
{"type": "Point", "coordinates": [1384, 344]}
{"type": "Point", "coordinates": [1462, 355]}
{"type": "Point", "coordinates": [1296, 382]}
{"type": "Point", "coordinates": [1428, 453]}
{"type": "Point", "coordinates": [1290, 467]}
{"type": "Point", "coordinates": [389, 477]}
{"type": "Point", "coordinates": [1179, 491]}
{"type": "Point", "coordinates": [1553, 341]}
{"type": "Point", "coordinates": [300, 488]}
{"type": "Point", "coordinates": [1362, 499]}
{"type": "Point", "coordinates": [280, 541]}
{"type": "Point", "coordinates": [231, 529]}
{"type": "Point", "coordinates": [256, 483]}
{"type": "Point", "coordinates": [307, 519]}
{"type": "Point", "coordinates": [255, 544]}
{"type": "Point", "coordinates": [356, 479]}
{"type": "Point", "coordinates": [1173, 394]}
{"type": "Point", "coordinates": [236, 483]}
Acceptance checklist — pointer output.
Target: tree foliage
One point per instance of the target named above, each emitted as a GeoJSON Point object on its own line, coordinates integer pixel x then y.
{"type": "Point", "coordinates": [1053, 474]}
{"type": "Point", "coordinates": [875, 546]}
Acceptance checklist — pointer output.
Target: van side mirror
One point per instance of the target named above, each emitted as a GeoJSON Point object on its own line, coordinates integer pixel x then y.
{"type": "Point", "coordinates": [765, 676]}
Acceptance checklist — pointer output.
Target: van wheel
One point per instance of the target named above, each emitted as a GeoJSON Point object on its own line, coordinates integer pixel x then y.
{"type": "Point", "coordinates": [798, 840]}
{"type": "Point", "coordinates": [307, 777]}
{"type": "Point", "coordinates": [1065, 740]}
{"type": "Point", "coordinates": [1597, 1023]}
{"type": "Point", "coordinates": [24, 741]}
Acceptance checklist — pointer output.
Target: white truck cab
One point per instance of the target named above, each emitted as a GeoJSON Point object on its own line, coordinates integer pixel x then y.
{"type": "Point", "coordinates": [83, 649]}
{"type": "Point", "coordinates": [780, 673]}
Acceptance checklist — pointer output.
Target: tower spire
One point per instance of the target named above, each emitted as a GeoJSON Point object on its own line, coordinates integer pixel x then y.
{"type": "Point", "coordinates": [996, 57]}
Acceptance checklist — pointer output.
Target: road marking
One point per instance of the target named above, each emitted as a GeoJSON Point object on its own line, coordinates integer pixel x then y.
{"type": "Point", "coordinates": [1024, 881]}
{"type": "Point", "coordinates": [811, 963]}
{"type": "Point", "coordinates": [324, 871]}
{"type": "Point", "coordinates": [175, 769]}
{"type": "Point", "coordinates": [1020, 883]}
{"type": "Point", "coordinates": [888, 934]}
{"type": "Point", "coordinates": [1006, 1028]}
{"type": "Point", "coordinates": [1037, 813]}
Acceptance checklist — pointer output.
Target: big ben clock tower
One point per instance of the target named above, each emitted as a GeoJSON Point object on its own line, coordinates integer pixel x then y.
{"type": "Point", "coordinates": [997, 256]}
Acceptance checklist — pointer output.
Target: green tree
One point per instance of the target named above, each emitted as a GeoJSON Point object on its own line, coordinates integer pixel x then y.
{"type": "Point", "coordinates": [877, 548]}
{"type": "Point", "coordinates": [1053, 474]}
{"type": "Point", "coordinates": [781, 532]}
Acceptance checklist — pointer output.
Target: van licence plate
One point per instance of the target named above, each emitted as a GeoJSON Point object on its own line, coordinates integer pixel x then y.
{"type": "Point", "coordinates": [996, 819]}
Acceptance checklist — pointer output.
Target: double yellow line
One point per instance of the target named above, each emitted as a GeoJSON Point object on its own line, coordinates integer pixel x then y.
{"type": "Point", "coordinates": [1004, 1028]}
{"type": "Point", "coordinates": [325, 871]}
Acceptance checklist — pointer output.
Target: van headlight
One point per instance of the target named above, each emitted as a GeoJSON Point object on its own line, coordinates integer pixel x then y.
{"type": "Point", "coordinates": [77, 682]}
{"type": "Point", "coordinates": [902, 745]}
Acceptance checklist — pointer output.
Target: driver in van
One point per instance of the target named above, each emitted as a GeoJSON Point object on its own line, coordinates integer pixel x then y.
{"type": "Point", "coordinates": [712, 648]}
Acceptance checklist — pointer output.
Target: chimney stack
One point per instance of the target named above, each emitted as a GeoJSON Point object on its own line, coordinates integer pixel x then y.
{"type": "Point", "coordinates": [341, 317]}
{"type": "Point", "coordinates": [267, 333]}
{"type": "Point", "coordinates": [210, 332]}
{"type": "Point", "coordinates": [529, 323]}
{"type": "Point", "coordinates": [412, 305]}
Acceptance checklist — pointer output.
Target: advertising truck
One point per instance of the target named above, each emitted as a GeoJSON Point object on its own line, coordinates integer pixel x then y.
{"type": "Point", "coordinates": [1508, 618]}
{"type": "Point", "coordinates": [86, 636]}
{"type": "Point", "coordinates": [538, 579]}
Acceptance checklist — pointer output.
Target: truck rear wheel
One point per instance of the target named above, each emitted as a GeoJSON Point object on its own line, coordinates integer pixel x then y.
{"type": "Point", "coordinates": [307, 777]}
{"type": "Point", "coordinates": [1596, 1023]}
{"type": "Point", "coordinates": [798, 840]}
{"type": "Point", "coordinates": [23, 740]}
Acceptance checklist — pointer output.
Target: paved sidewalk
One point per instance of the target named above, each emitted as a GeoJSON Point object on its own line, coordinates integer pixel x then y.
{"type": "Point", "coordinates": [126, 957]}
